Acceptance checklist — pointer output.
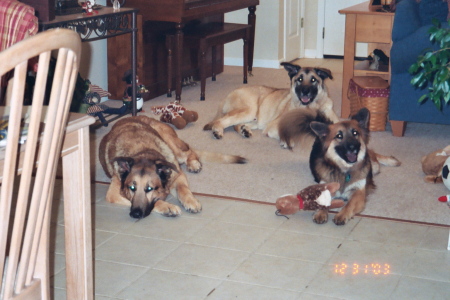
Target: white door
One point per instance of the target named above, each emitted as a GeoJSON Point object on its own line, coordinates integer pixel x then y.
{"type": "Point", "coordinates": [293, 29]}
{"type": "Point", "coordinates": [334, 28]}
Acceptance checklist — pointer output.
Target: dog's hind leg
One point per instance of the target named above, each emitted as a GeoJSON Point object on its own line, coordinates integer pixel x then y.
{"type": "Point", "coordinates": [180, 189]}
{"type": "Point", "coordinates": [244, 130]}
{"type": "Point", "coordinates": [354, 206]}
{"type": "Point", "coordinates": [234, 117]}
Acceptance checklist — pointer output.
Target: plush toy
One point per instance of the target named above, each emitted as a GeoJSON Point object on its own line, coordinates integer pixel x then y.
{"type": "Point", "coordinates": [176, 114]}
{"type": "Point", "coordinates": [433, 163]}
{"type": "Point", "coordinates": [311, 198]}
{"type": "Point", "coordinates": [445, 173]}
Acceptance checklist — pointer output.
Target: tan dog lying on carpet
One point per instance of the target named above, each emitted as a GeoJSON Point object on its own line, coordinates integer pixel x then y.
{"type": "Point", "coordinates": [262, 107]}
{"type": "Point", "coordinates": [142, 156]}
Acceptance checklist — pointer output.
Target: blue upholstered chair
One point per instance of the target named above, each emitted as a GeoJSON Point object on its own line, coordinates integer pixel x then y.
{"type": "Point", "coordinates": [410, 38]}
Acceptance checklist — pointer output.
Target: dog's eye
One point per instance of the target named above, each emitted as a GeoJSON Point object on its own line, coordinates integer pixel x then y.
{"type": "Point", "coordinates": [132, 187]}
{"type": "Point", "coordinates": [355, 133]}
{"type": "Point", "coordinates": [313, 79]}
{"type": "Point", "coordinates": [148, 189]}
{"type": "Point", "coordinates": [339, 136]}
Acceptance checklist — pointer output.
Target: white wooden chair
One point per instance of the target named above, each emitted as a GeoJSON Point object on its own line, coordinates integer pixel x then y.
{"type": "Point", "coordinates": [25, 200]}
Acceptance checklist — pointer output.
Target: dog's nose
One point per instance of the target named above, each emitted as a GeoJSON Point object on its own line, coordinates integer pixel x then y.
{"type": "Point", "coordinates": [136, 213]}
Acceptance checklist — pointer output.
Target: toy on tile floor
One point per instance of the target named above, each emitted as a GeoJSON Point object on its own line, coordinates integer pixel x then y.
{"type": "Point", "coordinates": [128, 93]}
{"type": "Point", "coordinates": [176, 114]}
{"type": "Point", "coordinates": [310, 198]}
{"type": "Point", "coordinates": [433, 163]}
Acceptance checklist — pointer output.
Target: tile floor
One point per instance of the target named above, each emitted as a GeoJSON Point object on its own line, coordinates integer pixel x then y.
{"type": "Point", "coordinates": [242, 250]}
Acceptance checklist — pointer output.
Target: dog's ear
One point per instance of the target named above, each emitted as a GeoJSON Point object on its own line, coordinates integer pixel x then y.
{"type": "Point", "coordinates": [323, 73]}
{"type": "Point", "coordinates": [362, 117]}
{"type": "Point", "coordinates": [164, 169]}
{"type": "Point", "coordinates": [292, 69]}
{"type": "Point", "coordinates": [123, 165]}
{"type": "Point", "coordinates": [320, 129]}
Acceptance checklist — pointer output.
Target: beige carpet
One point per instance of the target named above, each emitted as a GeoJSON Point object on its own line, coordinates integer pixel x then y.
{"type": "Point", "coordinates": [272, 171]}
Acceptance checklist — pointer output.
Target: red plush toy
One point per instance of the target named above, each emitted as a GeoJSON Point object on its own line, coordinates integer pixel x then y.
{"type": "Point", "coordinates": [311, 198]}
{"type": "Point", "coordinates": [176, 114]}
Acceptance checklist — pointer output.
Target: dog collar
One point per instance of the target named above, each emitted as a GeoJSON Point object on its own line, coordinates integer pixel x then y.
{"type": "Point", "coordinates": [300, 202]}
{"type": "Point", "coordinates": [348, 177]}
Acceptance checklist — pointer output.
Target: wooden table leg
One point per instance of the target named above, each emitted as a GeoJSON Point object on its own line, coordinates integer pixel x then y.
{"type": "Point", "coordinates": [251, 41]}
{"type": "Point", "coordinates": [179, 37]}
{"type": "Point", "coordinates": [349, 61]}
{"type": "Point", "coordinates": [77, 217]}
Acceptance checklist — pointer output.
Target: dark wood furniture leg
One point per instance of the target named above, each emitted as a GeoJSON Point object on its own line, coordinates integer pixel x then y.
{"type": "Point", "coordinates": [179, 36]}
{"type": "Point", "coordinates": [246, 55]}
{"type": "Point", "coordinates": [251, 44]}
{"type": "Point", "coordinates": [213, 64]}
{"type": "Point", "coordinates": [398, 128]}
{"type": "Point", "coordinates": [202, 61]}
{"type": "Point", "coordinates": [169, 46]}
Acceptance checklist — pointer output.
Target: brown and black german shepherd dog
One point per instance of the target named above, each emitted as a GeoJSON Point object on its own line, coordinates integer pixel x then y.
{"type": "Point", "coordinates": [339, 154]}
{"type": "Point", "coordinates": [262, 107]}
{"type": "Point", "coordinates": [142, 156]}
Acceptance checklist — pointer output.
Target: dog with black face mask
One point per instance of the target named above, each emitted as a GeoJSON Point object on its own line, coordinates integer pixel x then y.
{"type": "Point", "coordinates": [340, 154]}
{"type": "Point", "coordinates": [142, 156]}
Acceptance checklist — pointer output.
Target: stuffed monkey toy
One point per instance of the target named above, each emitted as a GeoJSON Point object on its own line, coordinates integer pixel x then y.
{"type": "Point", "coordinates": [310, 198]}
{"type": "Point", "coordinates": [176, 114]}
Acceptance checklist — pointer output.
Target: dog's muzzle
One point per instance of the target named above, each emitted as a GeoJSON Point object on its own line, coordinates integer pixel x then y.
{"type": "Point", "coordinates": [306, 94]}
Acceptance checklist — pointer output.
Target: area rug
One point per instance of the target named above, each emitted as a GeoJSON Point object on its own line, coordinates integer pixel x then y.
{"type": "Point", "coordinates": [272, 171]}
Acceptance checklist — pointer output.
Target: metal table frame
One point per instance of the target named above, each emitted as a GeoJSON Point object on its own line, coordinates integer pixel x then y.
{"type": "Point", "coordinates": [102, 24]}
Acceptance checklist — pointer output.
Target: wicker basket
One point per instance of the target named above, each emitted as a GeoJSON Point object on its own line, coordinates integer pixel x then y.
{"type": "Point", "coordinates": [371, 92]}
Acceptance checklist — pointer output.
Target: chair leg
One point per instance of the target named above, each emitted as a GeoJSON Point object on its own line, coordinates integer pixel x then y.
{"type": "Point", "coordinates": [202, 62]}
{"type": "Point", "coordinates": [398, 128]}
{"type": "Point", "coordinates": [213, 64]}
{"type": "Point", "coordinates": [169, 46]}
{"type": "Point", "coordinates": [245, 59]}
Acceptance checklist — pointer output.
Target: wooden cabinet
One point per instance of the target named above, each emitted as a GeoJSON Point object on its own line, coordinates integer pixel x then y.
{"type": "Point", "coordinates": [364, 24]}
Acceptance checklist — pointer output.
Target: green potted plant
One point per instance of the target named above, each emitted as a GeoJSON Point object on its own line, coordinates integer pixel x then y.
{"type": "Point", "coordinates": [433, 68]}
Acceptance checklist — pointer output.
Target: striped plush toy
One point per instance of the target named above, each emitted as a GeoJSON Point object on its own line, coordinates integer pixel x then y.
{"type": "Point", "coordinates": [176, 114]}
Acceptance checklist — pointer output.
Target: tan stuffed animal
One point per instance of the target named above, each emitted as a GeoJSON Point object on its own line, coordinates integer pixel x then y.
{"type": "Point", "coordinates": [432, 164]}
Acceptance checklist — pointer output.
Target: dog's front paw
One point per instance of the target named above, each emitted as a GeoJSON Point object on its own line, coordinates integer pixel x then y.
{"type": "Point", "coordinates": [167, 209]}
{"type": "Point", "coordinates": [194, 166]}
{"type": "Point", "coordinates": [320, 217]}
{"type": "Point", "coordinates": [192, 205]}
{"type": "Point", "coordinates": [285, 145]}
{"type": "Point", "coordinates": [340, 219]}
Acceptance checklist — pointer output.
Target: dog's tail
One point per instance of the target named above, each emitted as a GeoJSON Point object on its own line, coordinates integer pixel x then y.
{"type": "Point", "coordinates": [377, 159]}
{"type": "Point", "coordinates": [206, 156]}
{"type": "Point", "coordinates": [295, 125]}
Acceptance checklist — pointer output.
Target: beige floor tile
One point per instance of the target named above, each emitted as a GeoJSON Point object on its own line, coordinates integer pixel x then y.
{"type": "Point", "coordinates": [180, 228]}
{"type": "Point", "coordinates": [202, 261]}
{"type": "Point", "coordinates": [302, 222]}
{"type": "Point", "coordinates": [231, 236]}
{"type": "Point", "coordinates": [247, 213]}
{"type": "Point", "coordinates": [410, 288]}
{"type": "Point", "coordinates": [237, 290]}
{"type": "Point", "coordinates": [429, 264]}
{"type": "Point", "coordinates": [436, 238]}
{"type": "Point", "coordinates": [382, 231]}
{"type": "Point", "coordinates": [276, 272]}
{"type": "Point", "coordinates": [301, 246]}
{"type": "Point", "coordinates": [157, 284]}
{"type": "Point", "coordinates": [134, 250]}
{"type": "Point", "coordinates": [391, 257]}
{"type": "Point", "coordinates": [111, 278]}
